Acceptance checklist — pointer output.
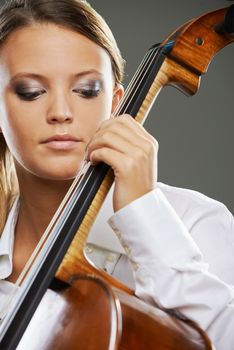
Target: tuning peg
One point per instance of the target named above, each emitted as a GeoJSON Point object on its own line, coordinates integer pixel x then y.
{"type": "Point", "coordinates": [228, 25]}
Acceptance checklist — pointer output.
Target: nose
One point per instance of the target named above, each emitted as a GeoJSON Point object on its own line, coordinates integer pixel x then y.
{"type": "Point", "coordinates": [60, 110]}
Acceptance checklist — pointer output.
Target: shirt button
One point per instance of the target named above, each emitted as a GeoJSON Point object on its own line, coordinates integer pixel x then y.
{"type": "Point", "coordinates": [115, 228]}
{"type": "Point", "coordinates": [88, 249]}
{"type": "Point", "coordinates": [127, 249]}
{"type": "Point", "coordinates": [118, 233]}
{"type": "Point", "coordinates": [110, 258]}
{"type": "Point", "coordinates": [134, 265]}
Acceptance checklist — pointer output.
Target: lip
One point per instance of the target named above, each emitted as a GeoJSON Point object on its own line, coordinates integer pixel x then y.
{"type": "Point", "coordinates": [61, 142]}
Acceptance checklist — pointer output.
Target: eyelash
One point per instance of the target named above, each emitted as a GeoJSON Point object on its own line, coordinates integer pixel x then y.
{"type": "Point", "coordinates": [31, 96]}
{"type": "Point", "coordinates": [87, 93]}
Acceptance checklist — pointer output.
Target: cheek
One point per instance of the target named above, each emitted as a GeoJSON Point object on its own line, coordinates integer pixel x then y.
{"type": "Point", "coordinates": [94, 114]}
{"type": "Point", "coordinates": [18, 142]}
{"type": "Point", "coordinates": [15, 126]}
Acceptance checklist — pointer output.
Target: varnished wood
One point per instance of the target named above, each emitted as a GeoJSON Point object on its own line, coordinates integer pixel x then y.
{"type": "Point", "coordinates": [163, 330]}
{"type": "Point", "coordinates": [75, 261]}
{"type": "Point", "coordinates": [195, 45]}
{"type": "Point", "coordinates": [89, 315]}
{"type": "Point", "coordinates": [180, 70]}
{"type": "Point", "coordinates": [187, 50]}
{"type": "Point", "coordinates": [171, 73]}
{"type": "Point", "coordinates": [84, 316]}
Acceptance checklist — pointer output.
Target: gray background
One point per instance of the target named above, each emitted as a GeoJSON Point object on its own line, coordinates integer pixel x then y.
{"type": "Point", "coordinates": [196, 133]}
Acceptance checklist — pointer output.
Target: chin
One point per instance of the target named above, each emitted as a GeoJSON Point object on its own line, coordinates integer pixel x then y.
{"type": "Point", "coordinates": [49, 171]}
{"type": "Point", "coordinates": [64, 173]}
{"type": "Point", "coordinates": [61, 168]}
{"type": "Point", "coordinates": [60, 176]}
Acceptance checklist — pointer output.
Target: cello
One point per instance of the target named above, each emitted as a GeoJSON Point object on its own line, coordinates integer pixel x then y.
{"type": "Point", "coordinates": [179, 61]}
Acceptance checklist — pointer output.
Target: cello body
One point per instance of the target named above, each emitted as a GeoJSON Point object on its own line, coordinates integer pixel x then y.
{"type": "Point", "coordinates": [89, 315]}
{"type": "Point", "coordinates": [94, 311]}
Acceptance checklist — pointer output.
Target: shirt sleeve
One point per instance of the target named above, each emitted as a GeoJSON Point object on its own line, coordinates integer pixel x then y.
{"type": "Point", "coordinates": [169, 268]}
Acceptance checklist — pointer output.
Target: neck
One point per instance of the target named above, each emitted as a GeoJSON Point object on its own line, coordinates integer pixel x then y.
{"type": "Point", "coordinates": [39, 200]}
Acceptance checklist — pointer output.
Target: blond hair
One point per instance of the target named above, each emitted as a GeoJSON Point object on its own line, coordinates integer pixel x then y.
{"type": "Point", "coordinates": [8, 182]}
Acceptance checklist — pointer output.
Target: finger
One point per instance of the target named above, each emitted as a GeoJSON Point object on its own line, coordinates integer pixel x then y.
{"type": "Point", "coordinates": [126, 122]}
{"type": "Point", "coordinates": [130, 131]}
{"type": "Point", "coordinates": [142, 150]}
{"type": "Point", "coordinates": [117, 161]}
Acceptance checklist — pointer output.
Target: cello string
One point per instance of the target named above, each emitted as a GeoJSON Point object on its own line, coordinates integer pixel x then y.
{"type": "Point", "coordinates": [132, 84]}
{"type": "Point", "coordinates": [44, 238]}
{"type": "Point", "coordinates": [146, 62]}
{"type": "Point", "coordinates": [136, 77]}
{"type": "Point", "coordinates": [74, 185]}
{"type": "Point", "coordinates": [32, 262]}
{"type": "Point", "coordinates": [55, 218]}
{"type": "Point", "coordinates": [18, 293]}
{"type": "Point", "coordinates": [153, 52]}
{"type": "Point", "coordinates": [50, 235]}
{"type": "Point", "coordinates": [156, 51]}
{"type": "Point", "coordinates": [48, 238]}
{"type": "Point", "coordinates": [45, 242]}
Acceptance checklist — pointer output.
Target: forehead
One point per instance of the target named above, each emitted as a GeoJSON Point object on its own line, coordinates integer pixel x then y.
{"type": "Point", "coordinates": [48, 47]}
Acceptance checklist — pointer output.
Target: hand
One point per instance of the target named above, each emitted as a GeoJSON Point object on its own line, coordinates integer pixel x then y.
{"type": "Point", "coordinates": [131, 151]}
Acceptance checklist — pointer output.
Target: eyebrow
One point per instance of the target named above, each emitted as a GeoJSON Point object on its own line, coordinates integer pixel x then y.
{"type": "Point", "coordinates": [42, 77]}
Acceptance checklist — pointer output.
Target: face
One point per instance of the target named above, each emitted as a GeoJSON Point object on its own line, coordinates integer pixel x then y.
{"type": "Point", "coordinates": [57, 86]}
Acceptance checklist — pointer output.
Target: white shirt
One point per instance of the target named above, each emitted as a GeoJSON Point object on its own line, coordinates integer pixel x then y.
{"type": "Point", "coordinates": [181, 247]}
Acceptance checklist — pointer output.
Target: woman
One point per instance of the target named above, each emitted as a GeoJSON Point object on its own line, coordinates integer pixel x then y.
{"type": "Point", "coordinates": [60, 78]}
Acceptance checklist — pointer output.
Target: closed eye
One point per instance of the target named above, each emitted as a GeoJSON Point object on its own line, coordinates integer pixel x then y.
{"type": "Point", "coordinates": [87, 93]}
{"type": "Point", "coordinates": [30, 96]}
{"type": "Point", "coordinates": [28, 93]}
{"type": "Point", "coordinates": [89, 88]}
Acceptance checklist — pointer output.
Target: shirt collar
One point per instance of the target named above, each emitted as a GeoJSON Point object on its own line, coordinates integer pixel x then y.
{"type": "Point", "coordinates": [7, 241]}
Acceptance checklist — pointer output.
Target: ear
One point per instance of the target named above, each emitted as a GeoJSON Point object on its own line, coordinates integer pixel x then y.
{"type": "Point", "coordinates": [117, 95]}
